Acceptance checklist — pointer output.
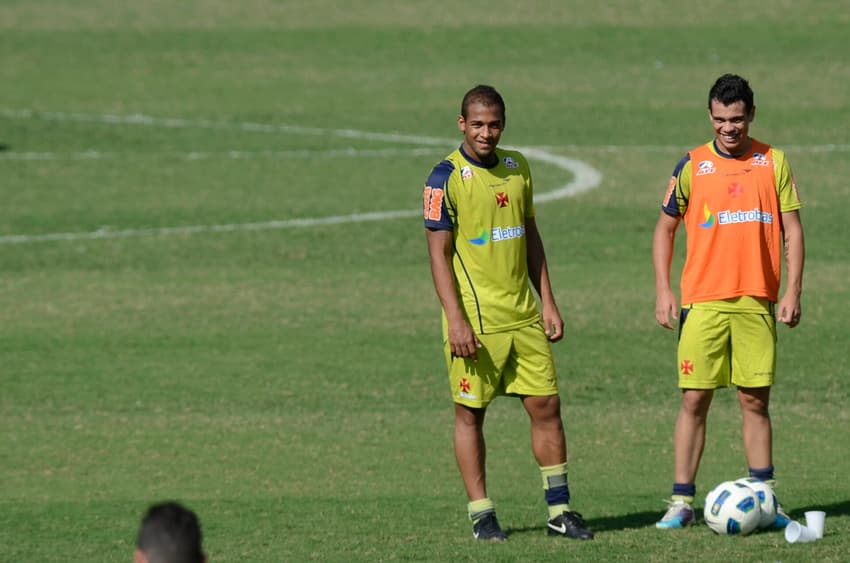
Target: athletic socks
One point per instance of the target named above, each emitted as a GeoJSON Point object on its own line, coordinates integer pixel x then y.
{"type": "Point", "coordinates": [556, 489]}
{"type": "Point", "coordinates": [684, 492]}
{"type": "Point", "coordinates": [477, 509]}
{"type": "Point", "coordinates": [765, 474]}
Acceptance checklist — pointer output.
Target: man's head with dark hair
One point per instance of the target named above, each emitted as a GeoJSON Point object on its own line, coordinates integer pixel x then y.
{"type": "Point", "coordinates": [731, 110]}
{"type": "Point", "coordinates": [170, 533]}
{"type": "Point", "coordinates": [485, 95]}
{"type": "Point", "coordinates": [731, 88]}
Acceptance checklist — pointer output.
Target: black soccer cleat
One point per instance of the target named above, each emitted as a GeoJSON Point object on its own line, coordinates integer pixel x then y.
{"type": "Point", "coordinates": [487, 529]}
{"type": "Point", "coordinates": [569, 525]}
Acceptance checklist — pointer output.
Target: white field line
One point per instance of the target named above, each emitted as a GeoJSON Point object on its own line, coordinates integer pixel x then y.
{"type": "Point", "coordinates": [828, 147]}
{"type": "Point", "coordinates": [353, 152]}
{"type": "Point", "coordinates": [181, 123]}
{"type": "Point", "coordinates": [225, 155]}
{"type": "Point", "coordinates": [105, 233]}
{"type": "Point", "coordinates": [585, 177]}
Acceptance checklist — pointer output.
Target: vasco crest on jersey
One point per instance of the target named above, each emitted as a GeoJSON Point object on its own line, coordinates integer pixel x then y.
{"type": "Point", "coordinates": [510, 162]}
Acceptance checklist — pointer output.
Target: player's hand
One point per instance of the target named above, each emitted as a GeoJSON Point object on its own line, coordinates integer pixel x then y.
{"type": "Point", "coordinates": [553, 324]}
{"type": "Point", "coordinates": [666, 308]}
{"type": "Point", "coordinates": [463, 341]}
{"type": "Point", "coordinates": [790, 310]}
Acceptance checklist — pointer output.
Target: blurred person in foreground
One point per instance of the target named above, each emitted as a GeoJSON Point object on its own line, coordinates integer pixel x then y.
{"type": "Point", "coordinates": [484, 247]}
{"type": "Point", "coordinates": [739, 203]}
{"type": "Point", "coordinates": [170, 533]}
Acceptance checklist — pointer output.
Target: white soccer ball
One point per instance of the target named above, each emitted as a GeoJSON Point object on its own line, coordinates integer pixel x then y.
{"type": "Point", "coordinates": [732, 508]}
{"type": "Point", "coordinates": [767, 500]}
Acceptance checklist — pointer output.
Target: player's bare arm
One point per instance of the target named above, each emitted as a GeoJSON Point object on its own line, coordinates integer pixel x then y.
{"type": "Point", "coordinates": [538, 272]}
{"type": "Point", "coordinates": [790, 309]}
{"type": "Point", "coordinates": [462, 339]}
{"type": "Point", "coordinates": [666, 305]}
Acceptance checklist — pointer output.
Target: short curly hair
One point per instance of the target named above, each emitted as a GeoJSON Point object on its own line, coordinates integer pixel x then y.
{"type": "Point", "coordinates": [483, 94]}
{"type": "Point", "coordinates": [731, 88]}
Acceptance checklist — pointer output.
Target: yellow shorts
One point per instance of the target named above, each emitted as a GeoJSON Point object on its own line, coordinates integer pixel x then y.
{"type": "Point", "coordinates": [717, 348]}
{"type": "Point", "coordinates": [515, 362]}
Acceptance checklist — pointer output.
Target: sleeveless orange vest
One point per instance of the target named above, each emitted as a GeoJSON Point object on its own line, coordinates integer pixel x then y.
{"type": "Point", "coordinates": [734, 227]}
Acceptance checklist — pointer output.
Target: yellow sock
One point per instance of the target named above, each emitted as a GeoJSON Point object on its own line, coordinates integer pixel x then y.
{"type": "Point", "coordinates": [556, 489]}
{"type": "Point", "coordinates": [683, 498]}
{"type": "Point", "coordinates": [480, 507]}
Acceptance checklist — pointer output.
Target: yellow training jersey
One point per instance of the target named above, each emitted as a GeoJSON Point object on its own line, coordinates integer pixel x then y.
{"type": "Point", "coordinates": [486, 207]}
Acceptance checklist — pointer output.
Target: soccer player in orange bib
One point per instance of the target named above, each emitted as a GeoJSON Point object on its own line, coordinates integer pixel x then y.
{"type": "Point", "coordinates": [739, 203]}
{"type": "Point", "coordinates": [484, 247]}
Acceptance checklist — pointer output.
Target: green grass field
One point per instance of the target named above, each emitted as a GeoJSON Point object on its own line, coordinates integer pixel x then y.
{"type": "Point", "coordinates": [170, 330]}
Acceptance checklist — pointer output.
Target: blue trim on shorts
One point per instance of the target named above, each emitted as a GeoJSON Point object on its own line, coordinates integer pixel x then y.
{"type": "Point", "coordinates": [683, 316]}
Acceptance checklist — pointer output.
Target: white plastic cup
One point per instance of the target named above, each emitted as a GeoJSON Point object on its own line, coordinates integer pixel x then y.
{"type": "Point", "coordinates": [796, 532]}
{"type": "Point", "coordinates": [814, 520]}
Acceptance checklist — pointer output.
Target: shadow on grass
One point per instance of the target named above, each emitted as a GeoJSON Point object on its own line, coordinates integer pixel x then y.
{"type": "Point", "coordinates": [835, 509]}
{"type": "Point", "coordinates": [648, 519]}
{"type": "Point", "coordinates": [624, 522]}
{"type": "Point", "coordinates": [605, 524]}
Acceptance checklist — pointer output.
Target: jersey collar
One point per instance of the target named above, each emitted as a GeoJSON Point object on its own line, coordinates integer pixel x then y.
{"type": "Point", "coordinates": [477, 163]}
{"type": "Point", "coordinates": [722, 154]}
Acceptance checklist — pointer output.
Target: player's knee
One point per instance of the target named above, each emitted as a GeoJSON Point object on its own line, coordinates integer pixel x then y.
{"type": "Point", "coordinates": [544, 410]}
{"type": "Point", "coordinates": [468, 416]}
{"type": "Point", "coordinates": [755, 401]}
{"type": "Point", "coordinates": [755, 407]}
{"type": "Point", "coordinates": [695, 402]}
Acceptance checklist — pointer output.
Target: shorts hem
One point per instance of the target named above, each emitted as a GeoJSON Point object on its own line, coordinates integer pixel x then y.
{"type": "Point", "coordinates": [752, 384]}
{"type": "Point", "coordinates": [534, 393]}
{"type": "Point", "coordinates": [704, 387]}
{"type": "Point", "coordinates": [471, 404]}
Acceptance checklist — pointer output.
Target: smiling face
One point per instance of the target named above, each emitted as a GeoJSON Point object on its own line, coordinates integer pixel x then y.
{"type": "Point", "coordinates": [482, 128]}
{"type": "Point", "coordinates": [731, 126]}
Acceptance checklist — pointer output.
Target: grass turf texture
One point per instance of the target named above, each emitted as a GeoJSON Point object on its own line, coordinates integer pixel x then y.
{"type": "Point", "coordinates": [288, 384]}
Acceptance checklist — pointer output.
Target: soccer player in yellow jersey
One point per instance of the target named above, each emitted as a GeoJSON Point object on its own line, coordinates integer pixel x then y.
{"type": "Point", "coordinates": [484, 247]}
{"type": "Point", "coordinates": [738, 201]}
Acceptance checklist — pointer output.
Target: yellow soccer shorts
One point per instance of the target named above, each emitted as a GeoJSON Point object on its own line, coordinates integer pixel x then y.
{"type": "Point", "coordinates": [515, 362]}
{"type": "Point", "coordinates": [717, 348]}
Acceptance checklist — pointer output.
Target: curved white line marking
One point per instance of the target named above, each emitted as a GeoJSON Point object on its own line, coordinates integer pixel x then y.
{"type": "Point", "coordinates": [585, 177]}
{"type": "Point", "coordinates": [224, 155]}
{"type": "Point", "coordinates": [180, 123]}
